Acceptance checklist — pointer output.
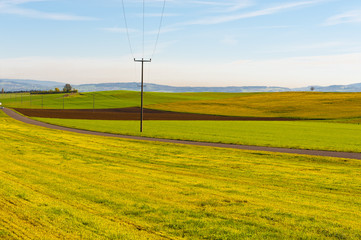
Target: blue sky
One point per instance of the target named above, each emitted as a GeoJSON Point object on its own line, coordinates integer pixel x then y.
{"type": "Point", "coordinates": [289, 43]}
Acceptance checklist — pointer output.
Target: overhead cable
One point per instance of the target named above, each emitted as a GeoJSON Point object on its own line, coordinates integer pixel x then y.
{"type": "Point", "coordinates": [160, 27]}
{"type": "Point", "coordinates": [127, 30]}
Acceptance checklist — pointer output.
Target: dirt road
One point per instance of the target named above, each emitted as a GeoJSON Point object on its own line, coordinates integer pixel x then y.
{"type": "Point", "coordinates": [21, 118]}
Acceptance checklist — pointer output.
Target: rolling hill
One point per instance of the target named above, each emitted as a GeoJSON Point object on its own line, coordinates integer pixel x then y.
{"type": "Point", "coordinates": [10, 85]}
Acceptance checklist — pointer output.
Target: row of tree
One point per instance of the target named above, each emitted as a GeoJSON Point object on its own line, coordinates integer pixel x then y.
{"type": "Point", "coordinates": [23, 91]}
{"type": "Point", "coordinates": [66, 89]}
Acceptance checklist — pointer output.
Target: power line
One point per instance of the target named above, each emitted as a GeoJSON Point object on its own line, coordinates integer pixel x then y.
{"type": "Point", "coordinates": [143, 60]}
{"type": "Point", "coordinates": [160, 27]}
{"type": "Point", "coordinates": [143, 26]}
{"type": "Point", "coordinates": [143, 30]}
{"type": "Point", "coordinates": [127, 30]}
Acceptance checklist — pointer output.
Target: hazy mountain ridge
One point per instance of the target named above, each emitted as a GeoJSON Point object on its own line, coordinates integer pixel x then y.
{"type": "Point", "coordinates": [27, 85]}
{"type": "Point", "coordinates": [151, 87]}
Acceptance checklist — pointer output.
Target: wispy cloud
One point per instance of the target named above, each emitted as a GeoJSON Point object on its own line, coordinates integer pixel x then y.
{"type": "Point", "coordinates": [347, 17]}
{"type": "Point", "coordinates": [15, 2]}
{"type": "Point", "coordinates": [330, 46]}
{"type": "Point", "coordinates": [14, 7]}
{"type": "Point", "coordinates": [229, 40]}
{"type": "Point", "coordinates": [238, 5]}
{"type": "Point", "coordinates": [163, 30]}
{"type": "Point", "coordinates": [159, 15]}
{"type": "Point", "coordinates": [118, 30]}
{"type": "Point", "coordinates": [132, 30]}
{"type": "Point", "coordinates": [257, 13]}
{"type": "Point", "coordinates": [229, 6]}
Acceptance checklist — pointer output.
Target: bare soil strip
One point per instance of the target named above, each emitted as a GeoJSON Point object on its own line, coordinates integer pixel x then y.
{"type": "Point", "coordinates": [132, 113]}
{"type": "Point", "coordinates": [348, 155]}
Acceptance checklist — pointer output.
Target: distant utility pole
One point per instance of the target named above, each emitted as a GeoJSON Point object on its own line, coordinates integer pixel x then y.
{"type": "Point", "coordinates": [142, 90]}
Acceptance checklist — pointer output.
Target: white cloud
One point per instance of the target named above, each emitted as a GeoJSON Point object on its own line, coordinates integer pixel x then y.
{"type": "Point", "coordinates": [333, 46]}
{"type": "Point", "coordinates": [162, 30]}
{"type": "Point", "coordinates": [238, 5]}
{"type": "Point", "coordinates": [208, 3]}
{"type": "Point", "coordinates": [347, 17]}
{"type": "Point", "coordinates": [229, 40]}
{"type": "Point", "coordinates": [229, 6]}
{"type": "Point", "coordinates": [131, 30]}
{"type": "Point", "coordinates": [160, 15]}
{"type": "Point", "coordinates": [118, 30]}
{"type": "Point", "coordinates": [257, 13]}
{"type": "Point", "coordinates": [13, 7]}
{"type": "Point", "coordinates": [15, 2]}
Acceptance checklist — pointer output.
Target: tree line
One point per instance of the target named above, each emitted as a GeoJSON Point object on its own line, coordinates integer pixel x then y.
{"type": "Point", "coordinates": [66, 89]}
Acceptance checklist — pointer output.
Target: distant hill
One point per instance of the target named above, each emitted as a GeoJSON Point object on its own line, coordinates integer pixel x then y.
{"type": "Point", "coordinates": [150, 87]}
{"type": "Point", "coordinates": [27, 85]}
{"type": "Point", "coordinates": [356, 87]}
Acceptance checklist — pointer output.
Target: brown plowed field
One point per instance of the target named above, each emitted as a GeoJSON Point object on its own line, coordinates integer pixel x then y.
{"type": "Point", "coordinates": [130, 114]}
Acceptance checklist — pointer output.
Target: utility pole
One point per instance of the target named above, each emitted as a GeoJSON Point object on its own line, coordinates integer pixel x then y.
{"type": "Point", "coordinates": [142, 89]}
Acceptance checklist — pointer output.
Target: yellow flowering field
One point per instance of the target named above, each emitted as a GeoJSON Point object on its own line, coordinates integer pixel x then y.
{"type": "Point", "coordinates": [60, 185]}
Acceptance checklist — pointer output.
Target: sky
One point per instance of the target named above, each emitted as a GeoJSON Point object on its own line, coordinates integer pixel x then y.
{"type": "Point", "coordinates": [286, 43]}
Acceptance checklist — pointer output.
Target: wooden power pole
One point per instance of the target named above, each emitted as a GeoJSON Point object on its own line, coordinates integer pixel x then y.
{"type": "Point", "coordinates": [142, 90]}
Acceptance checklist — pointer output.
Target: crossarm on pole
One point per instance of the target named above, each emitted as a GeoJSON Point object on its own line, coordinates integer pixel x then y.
{"type": "Point", "coordinates": [142, 60]}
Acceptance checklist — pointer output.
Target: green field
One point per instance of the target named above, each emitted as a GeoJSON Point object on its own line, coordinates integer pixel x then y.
{"type": "Point", "coordinates": [101, 100]}
{"type": "Point", "coordinates": [320, 135]}
{"type": "Point", "coordinates": [304, 105]}
{"type": "Point", "coordinates": [60, 185]}
{"type": "Point", "coordinates": [316, 135]}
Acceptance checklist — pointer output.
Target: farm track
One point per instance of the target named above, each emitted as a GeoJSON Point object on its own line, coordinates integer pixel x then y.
{"type": "Point", "coordinates": [347, 155]}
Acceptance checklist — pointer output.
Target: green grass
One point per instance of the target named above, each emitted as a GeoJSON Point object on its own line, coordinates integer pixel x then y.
{"type": "Point", "coordinates": [60, 185]}
{"type": "Point", "coordinates": [295, 134]}
{"type": "Point", "coordinates": [304, 105]}
{"type": "Point", "coordinates": [301, 105]}
{"type": "Point", "coordinates": [107, 99]}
